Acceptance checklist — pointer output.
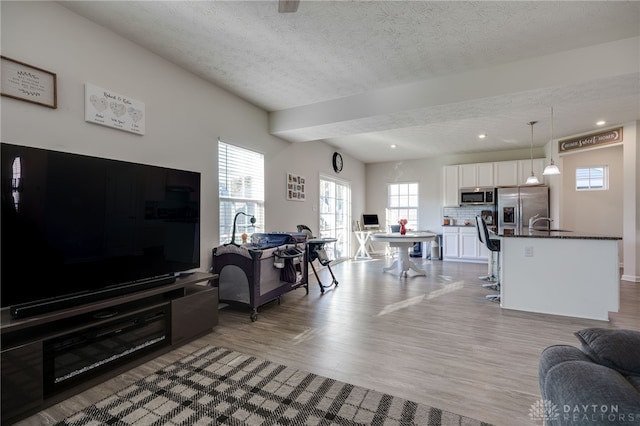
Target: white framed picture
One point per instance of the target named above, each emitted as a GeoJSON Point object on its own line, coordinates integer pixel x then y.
{"type": "Point", "coordinates": [104, 107]}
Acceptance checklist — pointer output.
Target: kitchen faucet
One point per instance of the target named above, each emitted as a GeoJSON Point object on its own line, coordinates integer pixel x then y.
{"type": "Point", "coordinates": [534, 219]}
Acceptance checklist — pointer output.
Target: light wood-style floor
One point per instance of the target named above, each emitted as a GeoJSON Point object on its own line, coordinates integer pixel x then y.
{"type": "Point", "coordinates": [435, 340]}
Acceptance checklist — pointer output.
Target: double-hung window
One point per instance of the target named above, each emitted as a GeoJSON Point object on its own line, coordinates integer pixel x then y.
{"type": "Point", "coordinates": [240, 189]}
{"type": "Point", "coordinates": [403, 204]}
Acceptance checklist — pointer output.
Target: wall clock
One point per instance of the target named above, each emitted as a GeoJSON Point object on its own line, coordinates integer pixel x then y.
{"type": "Point", "coordinates": [337, 162]}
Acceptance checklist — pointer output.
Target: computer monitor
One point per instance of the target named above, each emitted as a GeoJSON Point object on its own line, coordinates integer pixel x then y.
{"type": "Point", "coordinates": [370, 221]}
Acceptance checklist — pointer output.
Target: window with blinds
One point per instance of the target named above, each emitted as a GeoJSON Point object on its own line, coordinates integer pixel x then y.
{"type": "Point", "coordinates": [588, 178]}
{"type": "Point", "coordinates": [240, 190]}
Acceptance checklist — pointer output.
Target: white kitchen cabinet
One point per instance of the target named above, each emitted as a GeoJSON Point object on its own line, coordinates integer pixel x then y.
{"type": "Point", "coordinates": [485, 174]}
{"type": "Point", "coordinates": [506, 173]}
{"type": "Point", "coordinates": [469, 243]}
{"type": "Point", "coordinates": [450, 243]}
{"type": "Point", "coordinates": [475, 175]}
{"type": "Point", "coordinates": [499, 173]}
{"type": "Point", "coordinates": [467, 175]}
{"type": "Point", "coordinates": [450, 186]}
{"type": "Point", "coordinates": [461, 244]}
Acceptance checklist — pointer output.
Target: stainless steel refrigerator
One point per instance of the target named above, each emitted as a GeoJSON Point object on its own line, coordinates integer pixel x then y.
{"type": "Point", "coordinates": [517, 204]}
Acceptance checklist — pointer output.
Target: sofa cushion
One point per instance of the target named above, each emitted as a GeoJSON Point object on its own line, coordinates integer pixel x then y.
{"type": "Point", "coordinates": [635, 382]}
{"type": "Point", "coordinates": [616, 349]}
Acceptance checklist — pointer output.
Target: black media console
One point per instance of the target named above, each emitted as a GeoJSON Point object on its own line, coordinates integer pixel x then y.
{"type": "Point", "coordinates": [50, 357]}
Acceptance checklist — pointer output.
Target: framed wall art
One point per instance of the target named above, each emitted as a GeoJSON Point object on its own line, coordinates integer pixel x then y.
{"type": "Point", "coordinates": [107, 108]}
{"type": "Point", "coordinates": [28, 83]}
{"type": "Point", "coordinates": [295, 187]}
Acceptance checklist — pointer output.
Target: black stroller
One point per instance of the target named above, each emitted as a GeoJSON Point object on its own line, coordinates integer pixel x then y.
{"type": "Point", "coordinates": [315, 250]}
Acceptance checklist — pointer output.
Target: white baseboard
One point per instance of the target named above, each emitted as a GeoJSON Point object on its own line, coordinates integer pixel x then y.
{"type": "Point", "coordinates": [631, 278]}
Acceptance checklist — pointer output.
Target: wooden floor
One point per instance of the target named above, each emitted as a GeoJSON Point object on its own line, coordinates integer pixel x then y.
{"type": "Point", "coordinates": [435, 339]}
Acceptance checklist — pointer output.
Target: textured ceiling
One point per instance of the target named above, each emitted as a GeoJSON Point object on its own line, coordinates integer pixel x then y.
{"type": "Point", "coordinates": [426, 76]}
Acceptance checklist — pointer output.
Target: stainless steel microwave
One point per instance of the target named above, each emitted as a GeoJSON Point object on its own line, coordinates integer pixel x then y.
{"type": "Point", "coordinates": [477, 196]}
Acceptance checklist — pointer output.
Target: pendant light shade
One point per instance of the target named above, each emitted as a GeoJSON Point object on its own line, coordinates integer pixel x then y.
{"type": "Point", "coordinates": [551, 169]}
{"type": "Point", "coordinates": [532, 180]}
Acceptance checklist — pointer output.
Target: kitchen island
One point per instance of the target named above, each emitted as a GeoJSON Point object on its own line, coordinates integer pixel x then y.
{"type": "Point", "coordinates": [565, 273]}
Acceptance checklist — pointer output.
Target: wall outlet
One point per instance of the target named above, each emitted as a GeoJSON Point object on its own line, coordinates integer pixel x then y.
{"type": "Point", "coordinates": [528, 251]}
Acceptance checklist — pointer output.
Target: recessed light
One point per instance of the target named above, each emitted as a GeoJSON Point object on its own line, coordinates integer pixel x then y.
{"type": "Point", "coordinates": [601, 123]}
{"type": "Point", "coordinates": [482, 135]}
{"type": "Point", "coordinates": [393, 146]}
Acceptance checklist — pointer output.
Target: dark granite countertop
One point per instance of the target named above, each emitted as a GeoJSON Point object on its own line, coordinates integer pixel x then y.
{"type": "Point", "coordinates": [557, 233]}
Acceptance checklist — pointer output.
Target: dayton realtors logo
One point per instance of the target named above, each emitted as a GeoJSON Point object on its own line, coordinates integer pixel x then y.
{"type": "Point", "coordinates": [544, 410]}
{"type": "Point", "coordinates": [547, 411]}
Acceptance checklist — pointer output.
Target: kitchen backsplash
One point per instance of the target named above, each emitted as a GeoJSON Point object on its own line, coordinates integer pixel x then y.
{"type": "Point", "coordinates": [458, 215]}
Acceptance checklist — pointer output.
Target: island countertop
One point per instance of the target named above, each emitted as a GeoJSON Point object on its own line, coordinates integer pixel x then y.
{"type": "Point", "coordinates": [557, 233]}
{"type": "Point", "coordinates": [572, 274]}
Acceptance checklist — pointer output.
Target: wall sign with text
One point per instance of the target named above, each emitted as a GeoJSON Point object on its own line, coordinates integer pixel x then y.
{"type": "Point", "coordinates": [589, 141]}
{"type": "Point", "coordinates": [28, 83]}
{"type": "Point", "coordinates": [102, 106]}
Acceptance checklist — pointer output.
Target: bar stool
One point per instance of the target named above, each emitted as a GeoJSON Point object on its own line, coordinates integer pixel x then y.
{"type": "Point", "coordinates": [494, 247]}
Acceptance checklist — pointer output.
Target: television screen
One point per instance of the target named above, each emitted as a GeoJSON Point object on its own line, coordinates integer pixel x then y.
{"type": "Point", "coordinates": [74, 224]}
{"type": "Point", "coordinates": [370, 221]}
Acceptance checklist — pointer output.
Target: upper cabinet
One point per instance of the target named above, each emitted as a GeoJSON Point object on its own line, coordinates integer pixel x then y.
{"type": "Point", "coordinates": [506, 173]}
{"type": "Point", "coordinates": [499, 173]}
{"type": "Point", "coordinates": [451, 185]}
{"type": "Point", "coordinates": [479, 174]}
{"type": "Point", "coordinates": [485, 174]}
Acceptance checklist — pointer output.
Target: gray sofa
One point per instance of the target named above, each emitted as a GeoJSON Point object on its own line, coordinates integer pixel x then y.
{"type": "Point", "coordinates": [598, 385]}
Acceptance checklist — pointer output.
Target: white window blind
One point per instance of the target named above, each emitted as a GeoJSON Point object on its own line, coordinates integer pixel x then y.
{"type": "Point", "coordinates": [241, 189]}
{"type": "Point", "coordinates": [592, 178]}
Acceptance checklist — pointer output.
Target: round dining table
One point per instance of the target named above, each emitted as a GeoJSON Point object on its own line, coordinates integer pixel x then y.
{"type": "Point", "coordinates": [404, 243]}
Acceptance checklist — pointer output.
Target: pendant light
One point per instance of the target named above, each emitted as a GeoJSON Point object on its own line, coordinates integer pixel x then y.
{"type": "Point", "coordinates": [532, 180]}
{"type": "Point", "coordinates": [551, 169]}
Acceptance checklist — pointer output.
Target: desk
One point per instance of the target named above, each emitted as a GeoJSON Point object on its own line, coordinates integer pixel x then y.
{"type": "Point", "coordinates": [404, 243]}
{"type": "Point", "coordinates": [364, 239]}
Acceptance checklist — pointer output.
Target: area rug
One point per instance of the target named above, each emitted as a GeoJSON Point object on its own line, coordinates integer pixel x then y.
{"type": "Point", "coordinates": [218, 386]}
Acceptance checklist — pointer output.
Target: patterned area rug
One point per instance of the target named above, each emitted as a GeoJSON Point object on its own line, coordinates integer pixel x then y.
{"type": "Point", "coordinates": [218, 386]}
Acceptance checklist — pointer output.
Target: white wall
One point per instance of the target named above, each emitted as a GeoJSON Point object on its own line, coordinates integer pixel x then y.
{"type": "Point", "coordinates": [597, 211]}
{"type": "Point", "coordinates": [184, 114]}
{"type": "Point", "coordinates": [428, 173]}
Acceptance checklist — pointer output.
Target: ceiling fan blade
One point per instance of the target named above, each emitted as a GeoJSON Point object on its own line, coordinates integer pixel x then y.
{"type": "Point", "coordinates": [288, 6]}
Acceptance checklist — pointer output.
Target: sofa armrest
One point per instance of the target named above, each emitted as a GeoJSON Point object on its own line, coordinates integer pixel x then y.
{"type": "Point", "coordinates": [582, 389]}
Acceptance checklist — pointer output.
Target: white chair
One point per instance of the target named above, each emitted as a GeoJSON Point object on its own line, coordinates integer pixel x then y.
{"type": "Point", "coordinates": [389, 251]}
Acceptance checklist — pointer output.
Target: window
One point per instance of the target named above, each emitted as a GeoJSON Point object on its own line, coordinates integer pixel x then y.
{"type": "Point", "coordinates": [403, 204]}
{"type": "Point", "coordinates": [588, 178]}
{"type": "Point", "coordinates": [241, 190]}
{"type": "Point", "coordinates": [335, 216]}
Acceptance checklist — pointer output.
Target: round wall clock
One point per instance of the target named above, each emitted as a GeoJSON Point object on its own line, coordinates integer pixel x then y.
{"type": "Point", "coordinates": [337, 162]}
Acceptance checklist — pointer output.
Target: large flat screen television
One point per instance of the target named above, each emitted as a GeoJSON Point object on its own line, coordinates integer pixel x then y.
{"type": "Point", "coordinates": [77, 228]}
